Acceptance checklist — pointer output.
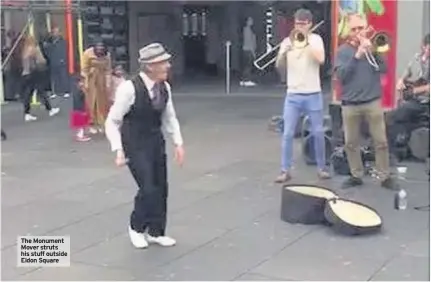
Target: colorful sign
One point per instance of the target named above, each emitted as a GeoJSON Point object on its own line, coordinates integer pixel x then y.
{"type": "Point", "coordinates": [382, 16]}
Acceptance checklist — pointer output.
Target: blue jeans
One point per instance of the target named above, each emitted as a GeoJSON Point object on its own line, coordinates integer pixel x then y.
{"type": "Point", "coordinates": [294, 104]}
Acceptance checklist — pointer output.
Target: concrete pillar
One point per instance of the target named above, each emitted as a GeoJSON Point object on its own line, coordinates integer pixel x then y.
{"type": "Point", "coordinates": [426, 18]}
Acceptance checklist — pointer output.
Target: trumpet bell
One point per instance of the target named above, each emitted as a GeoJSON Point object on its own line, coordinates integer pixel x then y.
{"type": "Point", "coordinates": [381, 42]}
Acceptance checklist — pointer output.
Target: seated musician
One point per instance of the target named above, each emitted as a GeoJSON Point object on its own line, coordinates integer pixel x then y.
{"type": "Point", "coordinates": [414, 85]}
{"type": "Point", "coordinates": [414, 89]}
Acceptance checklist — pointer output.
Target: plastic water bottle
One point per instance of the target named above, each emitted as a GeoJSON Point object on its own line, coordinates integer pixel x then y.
{"type": "Point", "coordinates": [401, 200]}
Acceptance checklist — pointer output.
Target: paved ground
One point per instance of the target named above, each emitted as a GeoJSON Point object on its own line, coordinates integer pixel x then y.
{"type": "Point", "coordinates": [223, 207]}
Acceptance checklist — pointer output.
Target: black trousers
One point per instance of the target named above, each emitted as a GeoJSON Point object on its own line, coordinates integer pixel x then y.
{"type": "Point", "coordinates": [404, 119]}
{"type": "Point", "coordinates": [30, 83]}
{"type": "Point", "coordinates": [12, 85]}
{"type": "Point", "coordinates": [60, 79]}
{"type": "Point", "coordinates": [148, 168]}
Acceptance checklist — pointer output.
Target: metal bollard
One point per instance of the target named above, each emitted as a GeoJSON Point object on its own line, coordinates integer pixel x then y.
{"type": "Point", "coordinates": [228, 44]}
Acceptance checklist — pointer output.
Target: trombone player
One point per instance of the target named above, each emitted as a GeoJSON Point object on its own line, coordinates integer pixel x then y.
{"type": "Point", "coordinates": [359, 69]}
{"type": "Point", "coordinates": [301, 54]}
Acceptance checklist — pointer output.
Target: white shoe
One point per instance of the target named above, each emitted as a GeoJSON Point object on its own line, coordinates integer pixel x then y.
{"type": "Point", "coordinates": [53, 96]}
{"type": "Point", "coordinates": [241, 83]}
{"type": "Point", "coordinates": [138, 239]}
{"type": "Point", "coordinates": [92, 130]}
{"type": "Point", "coordinates": [66, 95]}
{"type": "Point", "coordinates": [163, 241]}
{"type": "Point", "coordinates": [249, 83]}
{"type": "Point", "coordinates": [29, 117]}
{"type": "Point", "coordinates": [54, 111]}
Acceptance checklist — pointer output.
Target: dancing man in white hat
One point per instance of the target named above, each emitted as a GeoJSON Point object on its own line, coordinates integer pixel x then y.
{"type": "Point", "coordinates": [143, 107]}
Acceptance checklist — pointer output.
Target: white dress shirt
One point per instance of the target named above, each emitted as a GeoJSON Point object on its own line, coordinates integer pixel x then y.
{"type": "Point", "coordinates": [124, 99]}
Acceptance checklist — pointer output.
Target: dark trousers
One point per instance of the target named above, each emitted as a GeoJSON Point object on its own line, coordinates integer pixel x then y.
{"type": "Point", "coordinates": [12, 85]}
{"type": "Point", "coordinates": [148, 168]}
{"type": "Point", "coordinates": [30, 83]}
{"type": "Point", "coordinates": [404, 119]}
{"type": "Point", "coordinates": [60, 79]}
{"type": "Point", "coordinates": [247, 65]}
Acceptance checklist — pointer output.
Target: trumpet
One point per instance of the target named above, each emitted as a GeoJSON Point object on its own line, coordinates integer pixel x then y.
{"type": "Point", "coordinates": [298, 39]}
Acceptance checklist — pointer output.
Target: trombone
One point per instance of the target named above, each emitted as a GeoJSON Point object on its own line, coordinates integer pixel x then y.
{"type": "Point", "coordinates": [380, 43]}
{"type": "Point", "coordinates": [299, 40]}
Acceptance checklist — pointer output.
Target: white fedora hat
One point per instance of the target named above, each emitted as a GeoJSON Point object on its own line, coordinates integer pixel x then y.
{"type": "Point", "coordinates": [153, 53]}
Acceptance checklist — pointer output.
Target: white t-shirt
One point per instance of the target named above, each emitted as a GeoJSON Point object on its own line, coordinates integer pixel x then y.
{"type": "Point", "coordinates": [303, 70]}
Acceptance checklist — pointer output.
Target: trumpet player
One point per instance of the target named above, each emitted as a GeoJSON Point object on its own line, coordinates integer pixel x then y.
{"type": "Point", "coordinates": [361, 93]}
{"type": "Point", "coordinates": [302, 63]}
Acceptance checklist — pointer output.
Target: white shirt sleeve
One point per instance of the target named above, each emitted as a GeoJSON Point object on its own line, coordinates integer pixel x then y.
{"type": "Point", "coordinates": [169, 120]}
{"type": "Point", "coordinates": [124, 99]}
{"type": "Point", "coordinates": [317, 43]}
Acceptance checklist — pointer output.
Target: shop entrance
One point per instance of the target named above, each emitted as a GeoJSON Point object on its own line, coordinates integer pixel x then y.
{"type": "Point", "coordinates": [194, 37]}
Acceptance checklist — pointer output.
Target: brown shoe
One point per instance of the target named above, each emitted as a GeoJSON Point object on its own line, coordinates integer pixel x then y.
{"type": "Point", "coordinates": [283, 177]}
{"type": "Point", "coordinates": [323, 174]}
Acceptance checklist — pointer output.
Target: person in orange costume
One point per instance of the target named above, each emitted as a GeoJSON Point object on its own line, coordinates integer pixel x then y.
{"type": "Point", "coordinates": [97, 70]}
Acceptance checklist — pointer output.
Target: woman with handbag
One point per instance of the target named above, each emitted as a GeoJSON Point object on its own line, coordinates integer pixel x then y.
{"type": "Point", "coordinates": [33, 67]}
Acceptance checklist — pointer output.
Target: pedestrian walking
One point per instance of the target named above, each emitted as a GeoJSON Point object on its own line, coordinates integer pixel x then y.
{"type": "Point", "coordinates": [33, 65]}
{"type": "Point", "coordinates": [13, 68]}
{"type": "Point", "coordinates": [56, 50]}
{"type": "Point", "coordinates": [144, 105]}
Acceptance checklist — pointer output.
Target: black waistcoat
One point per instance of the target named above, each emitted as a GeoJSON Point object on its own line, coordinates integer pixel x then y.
{"type": "Point", "coordinates": [142, 124]}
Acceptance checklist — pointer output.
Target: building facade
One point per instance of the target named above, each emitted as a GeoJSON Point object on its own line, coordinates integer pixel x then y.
{"type": "Point", "coordinates": [195, 32]}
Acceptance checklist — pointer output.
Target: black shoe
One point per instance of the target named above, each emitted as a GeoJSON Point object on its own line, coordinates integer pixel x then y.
{"type": "Point", "coordinates": [390, 183]}
{"type": "Point", "coordinates": [352, 182]}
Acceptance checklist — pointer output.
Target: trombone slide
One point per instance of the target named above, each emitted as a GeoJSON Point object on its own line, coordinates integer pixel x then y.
{"type": "Point", "coordinates": [270, 57]}
{"type": "Point", "coordinates": [267, 59]}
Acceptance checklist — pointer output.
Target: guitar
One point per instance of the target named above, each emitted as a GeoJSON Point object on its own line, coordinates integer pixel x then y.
{"type": "Point", "coordinates": [408, 95]}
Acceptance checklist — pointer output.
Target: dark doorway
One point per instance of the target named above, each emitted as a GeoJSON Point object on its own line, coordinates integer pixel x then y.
{"type": "Point", "coordinates": [195, 38]}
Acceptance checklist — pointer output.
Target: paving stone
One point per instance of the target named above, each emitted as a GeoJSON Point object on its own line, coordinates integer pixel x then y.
{"type": "Point", "coordinates": [78, 272]}
{"type": "Point", "coordinates": [225, 187]}
{"type": "Point", "coordinates": [232, 254]}
{"type": "Point", "coordinates": [9, 269]}
{"type": "Point", "coordinates": [119, 252]}
{"type": "Point", "coordinates": [232, 207]}
{"type": "Point", "coordinates": [96, 229]}
{"type": "Point", "coordinates": [405, 268]}
{"type": "Point", "coordinates": [318, 255]}
{"type": "Point", "coordinates": [39, 217]}
{"type": "Point", "coordinates": [258, 277]}
{"type": "Point", "coordinates": [419, 247]}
